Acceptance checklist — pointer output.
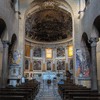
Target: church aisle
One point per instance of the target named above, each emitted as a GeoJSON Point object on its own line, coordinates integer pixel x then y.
{"type": "Point", "coordinates": [48, 92]}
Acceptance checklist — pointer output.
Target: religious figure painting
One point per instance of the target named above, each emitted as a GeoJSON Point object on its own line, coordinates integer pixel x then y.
{"type": "Point", "coordinates": [71, 63]}
{"type": "Point", "coordinates": [37, 65]}
{"type": "Point", "coordinates": [15, 57]}
{"type": "Point", "coordinates": [60, 52]}
{"type": "Point", "coordinates": [37, 52]}
{"type": "Point", "coordinates": [60, 65]}
{"type": "Point", "coordinates": [31, 75]}
{"type": "Point", "coordinates": [26, 64]}
{"type": "Point", "coordinates": [82, 64]}
{"type": "Point", "coordinates": [49, 65]}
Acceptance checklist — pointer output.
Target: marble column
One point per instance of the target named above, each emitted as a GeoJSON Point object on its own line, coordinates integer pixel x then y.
{"type": "Point", "coordinates": [94, 82]}
{"type": "Point", "coordinates": [5, 64]}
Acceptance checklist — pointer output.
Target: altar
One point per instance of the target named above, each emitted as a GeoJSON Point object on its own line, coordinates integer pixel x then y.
{"type": "Point", "coordinates": [48, 75]}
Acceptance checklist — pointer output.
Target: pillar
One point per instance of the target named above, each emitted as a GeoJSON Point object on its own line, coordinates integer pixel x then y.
{"type": "Point", "coordinates": [94, 82]}
{"type": "Point", "coordinates": [5, 64]}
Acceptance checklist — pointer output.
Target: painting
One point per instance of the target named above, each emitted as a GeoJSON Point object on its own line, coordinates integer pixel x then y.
{"type": "Point", "coordinates": [60, 52]}
{"type": "Point", "coordinates": [49, 65]}
{"type": "Point", "coordinates": [37, 65]}
{"type": "Point", "coordinates": [71, 63]}
{"type": "Point", "coordinates": [14, 57]}
{"type": "Point", "coordinates": [27, 50]}
{"type": "Point", "coordinates": [60, 65]}
{"type": "Point", "coordinates": [37, 52]}
{"type": "Point", "coordinates": [31, 75]}
{"type": "Point", "coordinates": [26, 64]}
{"type": "Point", "coordinates": [82, 64]}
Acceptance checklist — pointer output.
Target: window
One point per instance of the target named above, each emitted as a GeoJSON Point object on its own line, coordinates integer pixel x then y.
{"type": "Point", "coordinates": [70, 51]}
{"type": "Point", "coordinates": [48, 53]}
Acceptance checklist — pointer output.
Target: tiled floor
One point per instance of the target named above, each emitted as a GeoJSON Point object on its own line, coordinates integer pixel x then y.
{"type": "Point", "coordinates": [48, 92]}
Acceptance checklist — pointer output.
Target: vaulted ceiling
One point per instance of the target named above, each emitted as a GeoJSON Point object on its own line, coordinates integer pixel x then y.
{"type": "Point", "coordinates": [49, 25]}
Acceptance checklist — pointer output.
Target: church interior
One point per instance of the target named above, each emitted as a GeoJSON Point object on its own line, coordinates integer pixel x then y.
{"type": "Point", "coordinates": [49, 49]}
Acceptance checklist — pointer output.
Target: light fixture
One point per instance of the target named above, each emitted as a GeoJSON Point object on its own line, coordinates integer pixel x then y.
{"type": "Point", "coordinates": [70, 51]}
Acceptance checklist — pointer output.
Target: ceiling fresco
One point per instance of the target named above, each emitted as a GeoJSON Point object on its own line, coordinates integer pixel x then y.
{"type": "Point", "coordinates": [49, 24]}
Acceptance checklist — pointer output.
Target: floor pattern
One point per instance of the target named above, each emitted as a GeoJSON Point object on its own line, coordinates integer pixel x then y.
{"type": "Point", "coordinates": [48, 92]}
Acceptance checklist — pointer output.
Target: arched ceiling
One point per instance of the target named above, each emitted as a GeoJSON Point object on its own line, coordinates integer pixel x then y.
{"type": "Point", "coordinates": [48, 24]}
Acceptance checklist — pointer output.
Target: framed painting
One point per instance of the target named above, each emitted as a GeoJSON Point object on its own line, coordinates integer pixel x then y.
{"type": "Point", "coordinates": [37, 64]}
{"type": "Point", "coordinates": [60, 65]}
{"type": "Point", "coordinates": [37, 52]}
{"type": "Point", "coordinates": [26, 64]}
{"type": "Point", "coordinates": [60, 52]}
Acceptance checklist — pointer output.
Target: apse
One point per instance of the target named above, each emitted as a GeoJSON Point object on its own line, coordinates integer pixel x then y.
{"type": "Point", "coordinates": [48, 24]}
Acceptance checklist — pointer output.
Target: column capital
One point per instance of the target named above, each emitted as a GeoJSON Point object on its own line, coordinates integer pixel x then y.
{"type": "Point", "coordinates": [93, 41]}
{"type": "Point", "coordinates": [5, 43]}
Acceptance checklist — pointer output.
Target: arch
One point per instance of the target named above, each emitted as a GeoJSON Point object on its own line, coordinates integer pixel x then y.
{"type": "Point", "coordinates": [2, 27]}
{"type": "Point", "coordinates": [39, 24]}
{"type": "Point", "coordinates": [63, 3]}
{"type": "Point", "coordinates": [83, 58]}
{"type": "Point", "coordinates": [85, 41]}
{"type": "Point", "coordinates": [96, 24]}
{"type": "Point", "coordinates": [14, 41]}
{"type": "Point", "coordinates": [12, 47]}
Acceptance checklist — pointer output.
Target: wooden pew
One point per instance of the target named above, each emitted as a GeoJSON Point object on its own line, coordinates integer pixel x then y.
{"type": "Point", "coordinates": [26, 91]}
{"type": "Point", "coordinates": [86, 98]}
{"type": "Point", "coordinates": [12, 97]}
{"type": "Point", "coordinates": [68, 90]}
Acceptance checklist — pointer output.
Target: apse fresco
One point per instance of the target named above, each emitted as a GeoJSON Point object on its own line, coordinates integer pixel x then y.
{"type": "Point", "coordinates": [60, 52]}
{"type": "Point", "coordinates": [37, 65]}
{"type": "Point", "coordinates": [60, 65]}
{"type": "Point", "coordinates": [82, 64]}
{"type": "Point", "coordinates": [37, 52]}
{"type": "Point", "coordinates": [26, 64]}
{"type": "Point", "coordinates": [49, 65]}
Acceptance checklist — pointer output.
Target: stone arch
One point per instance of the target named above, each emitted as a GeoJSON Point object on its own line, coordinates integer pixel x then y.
{"type": "Point", "coordinates": [2, 27]}
{"type": "Point", "coordinates": [96, 25]}
{"type": "Point", "coordinates": [85, 40]}
{"type": "Point", "coordinates": [12, 47]}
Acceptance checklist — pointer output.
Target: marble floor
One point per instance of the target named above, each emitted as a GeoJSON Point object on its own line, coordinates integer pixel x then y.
{"type": "Point", "coordinates": [48, 92]}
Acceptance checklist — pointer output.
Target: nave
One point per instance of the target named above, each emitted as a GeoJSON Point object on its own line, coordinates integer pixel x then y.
{"type": "Point", "coordinates": [48, 92]}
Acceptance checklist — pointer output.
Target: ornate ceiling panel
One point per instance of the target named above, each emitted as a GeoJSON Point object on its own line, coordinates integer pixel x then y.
{"type": "Point", "coordinates": [49, 24]}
